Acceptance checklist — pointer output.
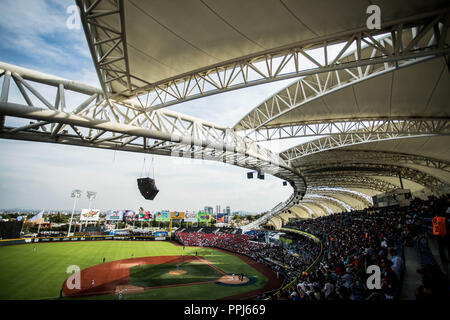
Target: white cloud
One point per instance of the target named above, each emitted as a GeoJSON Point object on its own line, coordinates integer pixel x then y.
{"type": "Point", "coordinates": [37, 30]}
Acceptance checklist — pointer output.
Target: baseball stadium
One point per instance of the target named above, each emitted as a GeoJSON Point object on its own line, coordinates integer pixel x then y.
{"type": "Point", "coordinates": [354, 125]}
{"type": "Point", "coordinates": [141, 269]}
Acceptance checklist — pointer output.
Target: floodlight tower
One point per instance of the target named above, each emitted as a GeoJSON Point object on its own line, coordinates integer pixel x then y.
{"type": "Point", "coordinates": [91, 196]}
{"type": "Point", "coordinates": [76, 194]}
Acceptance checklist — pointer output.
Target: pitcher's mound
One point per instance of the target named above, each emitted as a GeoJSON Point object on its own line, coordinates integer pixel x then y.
{"type": "Point", "coordinates": [128, 288]}
{"type": "Point", "coordinates": [177, 272]}
{"type": "Point", "coordinates": [228, 279]}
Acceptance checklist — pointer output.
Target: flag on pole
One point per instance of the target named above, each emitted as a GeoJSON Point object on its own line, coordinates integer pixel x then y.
{"type": "Point", "coordinates": [38, 216]}
{"type": "Point", "coordinates": [39, 219]}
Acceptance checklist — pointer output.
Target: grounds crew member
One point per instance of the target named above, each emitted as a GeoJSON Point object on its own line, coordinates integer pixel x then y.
{"type": "Point", "coordinates": [440, 231]}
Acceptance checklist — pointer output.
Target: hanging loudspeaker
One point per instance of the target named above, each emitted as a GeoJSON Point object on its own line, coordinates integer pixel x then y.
{"type": "Point", "coordinates": [147, 188]}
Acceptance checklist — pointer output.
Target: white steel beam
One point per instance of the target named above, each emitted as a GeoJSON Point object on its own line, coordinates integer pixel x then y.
{"type": "Point", "coordinates": [343, 192]}
{"type": "Point", "coordinates": [339, 157]}
{"type": "Point", "coordinates": [394, 126]}
{"type": "Point", "coordinates": [266, 66]}
{"type": "Point", "coordinates": [336, 141]}
{"type": "Point", "coordinates": [372, 169]}
{"type": "Point", "coordinates": [379, 56]}
{"type": "Point", "coordinates": [348, 181]}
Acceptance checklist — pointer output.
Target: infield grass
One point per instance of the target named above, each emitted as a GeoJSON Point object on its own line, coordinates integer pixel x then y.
{"type": "Point", "coordinates": [151, 275]}
{"type": "Point", "coordinates": [28, 274]}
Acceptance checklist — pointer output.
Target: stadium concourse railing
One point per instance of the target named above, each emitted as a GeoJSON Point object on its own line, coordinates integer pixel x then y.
{"type": "Point", "coordinates": [6, 242]}
{"type": "Point", "coordinates": [291, 284]}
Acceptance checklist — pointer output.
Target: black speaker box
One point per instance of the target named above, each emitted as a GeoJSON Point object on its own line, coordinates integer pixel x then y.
{"type": "Point", "coordinates": [147, 188]}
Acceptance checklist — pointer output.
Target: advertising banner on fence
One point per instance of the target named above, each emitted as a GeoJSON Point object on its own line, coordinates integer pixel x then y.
{"type": "Point", "coordinates": [190, 217]}
{"type": "Point", "coordinates": [163, 216]}
{"type": "Point", "coordinates": [204, 217]}
{"type": "Point", "coordinates": [145, 215]}
{"type": "Point", "coordinates": [130, 215]}
{"type": "Point", "coordinates": [175, 215]}
{"type": "Point", "coordinates": [161, 234]}
{"type": "Point", "coordinates": [222, 218]}
{"type": "Point", "coordinates": [90, 215]}
{"type": "Point", "coordinates": [114, 215]}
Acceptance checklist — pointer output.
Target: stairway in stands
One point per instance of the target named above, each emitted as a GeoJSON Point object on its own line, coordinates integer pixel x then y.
{"type": "Point", "coordinates": [434, 247]}
{"type": "Point", "coordinates": [416, 257]}
{"type": "Point", "coordinates": [411, 279]}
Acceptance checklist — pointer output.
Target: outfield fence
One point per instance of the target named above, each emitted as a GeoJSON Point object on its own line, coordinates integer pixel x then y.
{"type": "Point", "coordinates": [6, 242]}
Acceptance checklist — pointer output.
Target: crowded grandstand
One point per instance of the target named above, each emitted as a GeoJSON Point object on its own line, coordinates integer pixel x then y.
{"type": "Point", "coordinates": [347, 129]}
{"type": "Point", "coordinates": [335, 268]}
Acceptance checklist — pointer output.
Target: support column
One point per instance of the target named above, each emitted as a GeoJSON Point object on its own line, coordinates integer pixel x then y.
{"type": "Point", "coordinates": [401, 181]}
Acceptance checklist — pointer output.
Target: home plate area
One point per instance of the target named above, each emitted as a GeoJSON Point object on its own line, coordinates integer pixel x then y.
{"type": "Point", "coordinates": [127, 288]}
{"type": "Point", "coordinates": [233, 280]}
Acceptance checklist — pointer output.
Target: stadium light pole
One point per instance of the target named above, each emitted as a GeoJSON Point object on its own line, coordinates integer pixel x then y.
{"type": "Point", "coordinates": [76, 194]}
{"type": "Point", "coordinates": [91, 196]}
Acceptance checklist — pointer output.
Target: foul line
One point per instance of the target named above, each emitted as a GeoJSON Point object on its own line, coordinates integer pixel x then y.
{"type": "Point", "coordinates": [211, 265]}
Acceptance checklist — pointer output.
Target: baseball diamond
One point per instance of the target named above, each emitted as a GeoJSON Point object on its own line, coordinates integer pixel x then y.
{"type": "Point", "coordinates": [261, 150]}
{"type": "Point", "coordinates": [157, 270]}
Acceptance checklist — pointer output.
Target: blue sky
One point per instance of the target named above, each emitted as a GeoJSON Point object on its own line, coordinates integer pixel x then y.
{"type": "Point", "coordinates": [34, 34]}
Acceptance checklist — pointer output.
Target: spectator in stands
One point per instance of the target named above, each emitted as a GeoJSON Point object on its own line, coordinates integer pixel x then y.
{"type": "Point", "coordinates": [328, 289]}
{"type": "Point", "coordinates": [347, 278]}
{"type": "Point", "coordinates": [440, 231]}
{"type": "Point", "coordinates": [293, 295]}
{"type": "Point", "coordinates": [390, 283]}
{"type": "Point", "coordinates": [397, 262]}
{"type": "Point", "coordinates": [343, 294]}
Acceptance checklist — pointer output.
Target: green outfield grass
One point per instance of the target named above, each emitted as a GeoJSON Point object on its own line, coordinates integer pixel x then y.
{"type": "Point", "coordinates": [25, 274]}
